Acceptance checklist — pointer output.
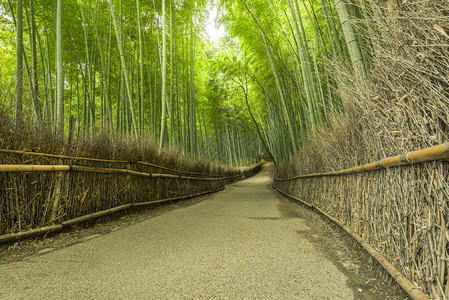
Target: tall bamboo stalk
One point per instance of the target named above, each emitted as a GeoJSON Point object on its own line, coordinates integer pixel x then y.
{"type": "Point", "coordinates": [59, 73]}
{"type": "Point", "coordinates": [118, 33]}
{"type": "Point", "coordinates": [341, 7]}
{"type": "Point", "coordinates": [18, 116]}
{"type": "Point", "coordinates": [164, 79]}
{"type": "Point", "coordinates": [36, 100]}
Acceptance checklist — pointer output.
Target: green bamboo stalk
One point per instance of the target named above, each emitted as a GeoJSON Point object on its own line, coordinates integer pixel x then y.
{"type": "Point", "coordinates": [164, 79]}
{"type": "Point", "coordinates": [18, 113]}
{"type": "Point", "coordinates": [59, 72]}
{"type": "Point", "coordinates": [36, 101]}
{"type": "Point", "coordinates": [124, 69]}
{"type": "Point", "coordinates": [341, 7]}
{"type": "Point", "coordinates": [141, 64]}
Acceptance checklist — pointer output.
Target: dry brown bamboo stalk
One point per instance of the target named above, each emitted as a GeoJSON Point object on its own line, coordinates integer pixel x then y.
{"type": "Point", "coordinates": [413, 291]}
{"type": "Point", "coordinates": [170, 169]}
{"type": "Point", "coordinates": [154, 175]}
{"type": "Point", "coordinates": [6, 238]}
{"type": "Point", "coordinates": [142, 174]}
{"type": "Point", "coordinates": [95, 215]}
{"type": "Point", "coordinates": [439, 152]}
{"type": "Point", "coordinates": [57, 197]}
{"type": "Point", "coordinates": [108, 171]}
{"type": "Point", "coordinates": [293, 197]}
{"type": "Point", "coordinates": [34, 168]}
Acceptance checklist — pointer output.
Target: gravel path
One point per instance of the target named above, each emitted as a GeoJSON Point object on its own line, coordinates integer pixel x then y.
{"type": "Point", "coordinates": [244, 243]}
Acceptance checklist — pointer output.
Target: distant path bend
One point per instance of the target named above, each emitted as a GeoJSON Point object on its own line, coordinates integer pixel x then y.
{"type": "Point", "coordinates": [244, 243]}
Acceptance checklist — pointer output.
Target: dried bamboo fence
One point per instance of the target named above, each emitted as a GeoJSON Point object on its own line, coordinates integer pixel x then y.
{"type": "Point", "coordinates": [43, 193]}
{"type": "Point", "coordinates": [401, 213]}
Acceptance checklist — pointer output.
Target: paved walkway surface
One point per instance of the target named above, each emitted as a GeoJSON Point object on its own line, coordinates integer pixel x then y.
{"type": "Point", "coordinates": [243, 243]}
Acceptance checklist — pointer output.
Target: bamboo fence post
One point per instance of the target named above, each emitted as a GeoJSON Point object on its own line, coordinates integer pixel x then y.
{"type": "Point", "coordinates": [128, 179]}
{"type": "Point", "coordinates": [158, 185]}
{"type": "Point", "coordinates": [57, 197]}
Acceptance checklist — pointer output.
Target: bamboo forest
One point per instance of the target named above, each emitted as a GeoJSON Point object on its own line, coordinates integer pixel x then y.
{"type": "Point", "coordinates": [339, 105]}
{"type": "Point", "coordinates": [151, 70]}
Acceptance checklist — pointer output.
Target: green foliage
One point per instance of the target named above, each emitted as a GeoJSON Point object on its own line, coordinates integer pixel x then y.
{"type": "Point", "coordinates": [280, 71]}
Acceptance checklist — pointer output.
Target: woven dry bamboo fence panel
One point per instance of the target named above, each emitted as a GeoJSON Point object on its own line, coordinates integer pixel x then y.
{"type": "Point", "coordinates": [398, 205]}
{"type": "Point", "coordinates": [39, 190]}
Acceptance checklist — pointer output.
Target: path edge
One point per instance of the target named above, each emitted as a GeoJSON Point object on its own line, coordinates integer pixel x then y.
{"type": "Point", "coordinates": [413, 291]}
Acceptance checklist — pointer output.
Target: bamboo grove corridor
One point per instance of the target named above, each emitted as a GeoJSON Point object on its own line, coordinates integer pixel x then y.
{"type": "Point", "coordinates": [123, 108]}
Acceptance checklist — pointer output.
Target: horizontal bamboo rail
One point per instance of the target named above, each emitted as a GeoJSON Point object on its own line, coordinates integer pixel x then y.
{"type": "Point", "coordinates": [143, 174]}
{"type": "Point", "coordinates": [413, 291]}
{"type": "Point", "coordinates": [169, 169]}
{"type": "Point", "coordinates": [7, 238]}
{"type": "Point", "coordinates": [109, 171]}
{"type": "Point", "coordinates": [62, 156]}
{"type": "Point", "coordinates": [75, 168]}
{"type": "Point", "coordinates": [439, 152]}
{"type": "Point", "coordinates": [98, 160]}
{"type": "Point", "coordinates": [34, 168]}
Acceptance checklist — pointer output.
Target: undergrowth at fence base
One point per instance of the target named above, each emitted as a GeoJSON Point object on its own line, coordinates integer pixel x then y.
{"type": "Point", "coordinates": [37, 199]}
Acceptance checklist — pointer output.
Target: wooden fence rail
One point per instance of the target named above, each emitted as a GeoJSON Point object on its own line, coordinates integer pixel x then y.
{"type": "Point", "coordinates": [439, 152]}
{"type": "Point", "coordinates": [20, 152]}
{"type": "Point", "coordinates": [34, 168]}
{"type": "Point", "coordinates": [75, 168]}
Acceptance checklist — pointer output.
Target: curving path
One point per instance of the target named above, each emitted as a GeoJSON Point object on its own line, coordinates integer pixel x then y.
{"type": "Point", "coordinates": [244, 243]}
